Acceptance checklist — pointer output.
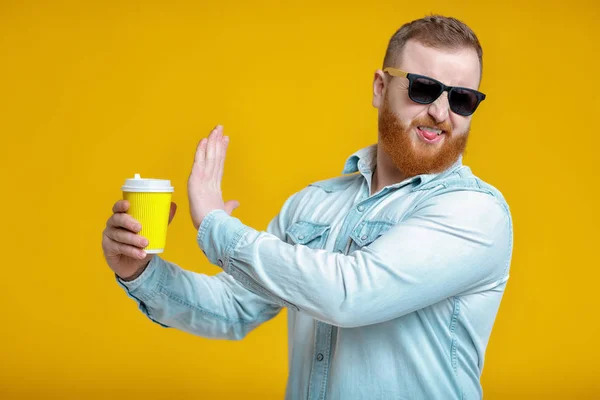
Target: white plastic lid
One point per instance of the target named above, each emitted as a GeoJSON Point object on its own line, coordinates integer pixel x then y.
{"type": "Point", "coordinates": [138, 184]}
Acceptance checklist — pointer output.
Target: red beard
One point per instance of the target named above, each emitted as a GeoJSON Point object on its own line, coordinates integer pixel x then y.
{"type": "Point", "coordinates": [409, 153]}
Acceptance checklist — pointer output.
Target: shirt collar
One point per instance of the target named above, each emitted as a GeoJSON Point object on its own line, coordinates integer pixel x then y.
{"type": "Point", "coordinates": [365, 160]}
{"type": "Point", "coordinates": [361, 160]}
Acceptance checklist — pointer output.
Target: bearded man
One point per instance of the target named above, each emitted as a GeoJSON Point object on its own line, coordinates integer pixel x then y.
{"type": "Point", "coordinates": [392, 273]}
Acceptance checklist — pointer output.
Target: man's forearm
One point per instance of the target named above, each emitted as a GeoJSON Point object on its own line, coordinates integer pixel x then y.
{"type": "Point", "coordinates": [439, 253]}
{"type": "Point", "coordinates": [207, 306]}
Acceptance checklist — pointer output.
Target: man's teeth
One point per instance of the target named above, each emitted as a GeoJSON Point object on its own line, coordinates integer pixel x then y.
{"type": "Point", "coordinates": [426, 128]}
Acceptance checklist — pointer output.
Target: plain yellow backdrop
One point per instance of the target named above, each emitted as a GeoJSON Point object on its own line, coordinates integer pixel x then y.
{"type": "Point", "coordinates": [93, 92]}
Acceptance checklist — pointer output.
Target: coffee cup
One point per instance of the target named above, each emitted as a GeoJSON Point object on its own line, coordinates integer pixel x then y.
{"type": "Point", "coordinates": [150, 204]}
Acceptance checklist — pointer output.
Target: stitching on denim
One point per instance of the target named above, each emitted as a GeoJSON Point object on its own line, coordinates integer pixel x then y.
{"type": "Point", "coordinates": [312, 366]}
{"type": "Point", "coordinates": [322, 187]}
{"type": "Point", "coordinates": [336, 184]}
{"type": "Point", "coordinates": [239, 234]}
{"type": "Point", "coordinates": [206, 222]}
{"type": "Point", "coordinates": [204, 311]}
{"type": "Point", "coordinates": [362, 221]}
{"type": "Point", "coordinates": [319, 241]}
{"type": "Point", "coordinates": [326, 368]}
{"type": "Point", "coordinates": [439, 179]}
{"type": "Point", "coordinates": [454, 340]}
{"type": "Point", "coordinates": [456, 189]}
{"type": "Point", "coordinates": [154, 291]}
{"type": "Point", "coordinates": [322, 232]}
{"type": "Point", "coordinates": [377, 226]}
{"type": "Point", "coordinates": [255, 287]}
{"type": "Point", "coordinates": [162, 289]}
{"type": "Point", "coordinates": [322, 241]}
{"type": "Point", "coordinates": [377, 223]}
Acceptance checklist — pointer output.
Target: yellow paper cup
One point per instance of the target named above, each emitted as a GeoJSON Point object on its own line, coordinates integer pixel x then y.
{"type": "Point", "coordinates": [150, 204]}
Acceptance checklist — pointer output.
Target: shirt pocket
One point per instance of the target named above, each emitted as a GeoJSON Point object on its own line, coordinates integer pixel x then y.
{"type": "Point", "coordinates": [309, 234]}
{"type": "Point", "coordinates": [366, 232]}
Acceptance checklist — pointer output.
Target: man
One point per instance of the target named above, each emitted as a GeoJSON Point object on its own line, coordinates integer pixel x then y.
{"type": "Point", "coordinates": [392, 276]}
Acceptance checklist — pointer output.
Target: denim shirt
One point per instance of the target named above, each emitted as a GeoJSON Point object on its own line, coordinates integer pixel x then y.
{"type": "Point", "coordinates": [389, 296]}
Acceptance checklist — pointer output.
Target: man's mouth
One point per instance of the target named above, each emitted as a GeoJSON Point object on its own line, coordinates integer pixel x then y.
{"type": "Point", "coordinates": [429, 134]}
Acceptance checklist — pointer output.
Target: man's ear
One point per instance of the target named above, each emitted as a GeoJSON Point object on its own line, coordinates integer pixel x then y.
{"type": "Point", "coordinates": [379, 87]}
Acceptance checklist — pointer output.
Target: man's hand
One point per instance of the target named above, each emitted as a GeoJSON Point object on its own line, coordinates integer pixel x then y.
{"type": "Point", "coordinates": [122, 245]}
{"type": "Point", "coordinates": [204, 183]}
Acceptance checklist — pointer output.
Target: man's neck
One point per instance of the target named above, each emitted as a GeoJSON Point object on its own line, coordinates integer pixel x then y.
{"type": "Point", "coordinates": [386, 173]}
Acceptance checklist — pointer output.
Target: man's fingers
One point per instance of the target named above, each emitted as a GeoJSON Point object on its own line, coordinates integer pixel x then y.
{"type": "Point", "coordinates": [124, 249]}
{"type": "Point", "coordinates": [121, 206]}
{"type": "Point", "coordinates": [211, 151]}
{"type": "Point", "coordinates": [124, 236]}
{"type": "Point", "coordinates": [231, 205]}
{"type": "Point", "coordinates": [221, 166]}
{"type": "Point", "coordinates": [172, 211]}
{"type": "Point", "coordinates": [219, 155]}
{"type": "Point", "coordinates": [200, 156]}
{"type": "Point", "coordinates": [126, 221]}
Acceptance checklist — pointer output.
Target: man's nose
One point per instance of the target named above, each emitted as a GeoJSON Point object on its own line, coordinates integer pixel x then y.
{"type": "Point", "coordinates": [440, 108]}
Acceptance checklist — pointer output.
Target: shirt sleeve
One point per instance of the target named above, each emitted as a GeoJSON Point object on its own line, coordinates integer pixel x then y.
{"type": "Point", "coordinates": [209, 306]}
{"type": "Point", "coordinates": [452, 244]}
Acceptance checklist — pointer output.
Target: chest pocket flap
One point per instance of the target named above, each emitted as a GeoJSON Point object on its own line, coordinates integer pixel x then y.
{"type": "Point", "coordinates": [309, 234]}
{"type": "Point", "coordinates": [367, 231]}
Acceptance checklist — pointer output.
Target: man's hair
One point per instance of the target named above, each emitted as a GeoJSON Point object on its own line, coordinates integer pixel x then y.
{"type": "Point", "coordinates": [433, 31]}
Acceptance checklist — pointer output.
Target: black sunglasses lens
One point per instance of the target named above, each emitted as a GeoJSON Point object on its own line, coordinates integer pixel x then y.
{"type": "Point", "coordinates": [463, 102]}
{"type": "Point", "coordinates": [424, 91]}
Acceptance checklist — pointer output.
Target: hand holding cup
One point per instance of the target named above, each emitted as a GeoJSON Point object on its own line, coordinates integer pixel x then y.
{"type": "Point", "coordinates": [138, 227]}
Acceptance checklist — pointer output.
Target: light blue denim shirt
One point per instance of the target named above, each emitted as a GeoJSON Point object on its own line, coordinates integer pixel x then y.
{"type": "Point", "coordinates": [389, 296]}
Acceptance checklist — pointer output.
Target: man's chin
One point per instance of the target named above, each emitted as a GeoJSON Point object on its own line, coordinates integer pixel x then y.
{"type": "Point", "coordinates": [421, 157]}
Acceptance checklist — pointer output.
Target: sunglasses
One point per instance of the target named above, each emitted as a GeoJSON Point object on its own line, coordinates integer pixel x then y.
{"type": "Point", "coordinates": [425, 90]}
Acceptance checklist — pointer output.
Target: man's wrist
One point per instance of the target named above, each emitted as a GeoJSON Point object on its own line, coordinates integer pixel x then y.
{"type": "Point", "coordinates": [136, 274]}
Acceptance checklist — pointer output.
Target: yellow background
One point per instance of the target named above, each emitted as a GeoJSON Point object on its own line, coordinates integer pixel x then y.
{"type": "Point", "coordinates": [93, 92]}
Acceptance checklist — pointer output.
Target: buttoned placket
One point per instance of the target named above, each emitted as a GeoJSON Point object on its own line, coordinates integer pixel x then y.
{"type": "Point", "coordinates": [326, 334]}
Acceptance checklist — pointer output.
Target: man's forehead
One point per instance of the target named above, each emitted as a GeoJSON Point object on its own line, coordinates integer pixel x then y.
{"type": "Point", "coordinates": [453, 67]}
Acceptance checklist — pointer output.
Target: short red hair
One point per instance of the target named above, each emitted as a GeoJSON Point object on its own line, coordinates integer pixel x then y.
{"type": "Point", "coordinates": [433, 31]}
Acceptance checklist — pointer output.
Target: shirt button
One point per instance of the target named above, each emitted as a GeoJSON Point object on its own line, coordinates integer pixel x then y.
{"type": "Point", "coordinates": [361, 208]}
{"type": "Point", "coordinates": [220, 262]}
{"type": "Point", "coordinates": [319, 357]}
{"type": "Point", "coordinates": [363, 237]}
{"type": "Point", "coordinates": [301, 237]}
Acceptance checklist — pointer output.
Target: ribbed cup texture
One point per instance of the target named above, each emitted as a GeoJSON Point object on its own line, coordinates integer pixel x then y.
{"type": "Point", "coordinates": [152, 211]}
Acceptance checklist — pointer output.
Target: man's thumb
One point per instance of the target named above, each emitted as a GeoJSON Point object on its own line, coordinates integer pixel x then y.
{"type": "Point", "coordinates": [231, 205]}
{"type": "Point", "coordinates": [172, 211]}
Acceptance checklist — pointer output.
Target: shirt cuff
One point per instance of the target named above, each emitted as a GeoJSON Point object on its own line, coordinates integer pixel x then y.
{"type": "Point", "coordinates": [145, 286]}
{"type": "Point", "coordinates": [218, 235]}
